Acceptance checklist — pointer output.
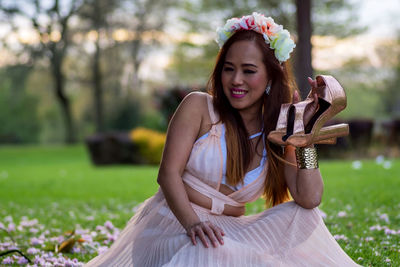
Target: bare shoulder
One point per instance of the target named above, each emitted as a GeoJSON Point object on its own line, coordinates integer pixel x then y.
{"type": "Point", "coordinates": [194, 109]}
{"type": "Point", "coordinates": [195, 103]}
{"type": "Point", "coordinates": [196, 99]}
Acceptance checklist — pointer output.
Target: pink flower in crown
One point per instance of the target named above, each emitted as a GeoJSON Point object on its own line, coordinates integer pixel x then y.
{"type": "Point", "coordinates": [251, 23]}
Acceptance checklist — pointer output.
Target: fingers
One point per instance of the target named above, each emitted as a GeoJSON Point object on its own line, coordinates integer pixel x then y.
{"type": "Point", "coordinates": [218, 233]}
{"type": "Point", "coordinates": [296, 97]}
{"type": "Point", "coordinates": [312, 82]}
{"type": "Point", "coordinates": [202, 237]}
{"type": "Point", "coordinates": [203, 229]}
{"type": "Point", "coordinates": [315, 99]}
{"type": "Point", "coordinates": [193, 238]}
{"type": "Point", "coordinates": [211, 236]}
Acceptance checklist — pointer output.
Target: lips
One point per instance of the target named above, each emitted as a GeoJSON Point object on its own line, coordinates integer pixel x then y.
{"type": "Point", "coordinates": [238, 93]}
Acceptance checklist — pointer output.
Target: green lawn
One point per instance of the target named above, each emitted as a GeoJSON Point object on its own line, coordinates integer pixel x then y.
{"type": "Point", "coordinates": [60, 188]}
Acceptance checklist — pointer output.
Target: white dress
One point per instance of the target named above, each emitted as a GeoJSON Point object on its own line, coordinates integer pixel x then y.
{"type": "Point", "coordinates": [285, 235]}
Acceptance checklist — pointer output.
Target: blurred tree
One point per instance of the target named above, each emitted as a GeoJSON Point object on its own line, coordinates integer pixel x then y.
{"type": "Point", "coordinates": [145, 20]}
{"type": "Point", "coordinates": [96, 15]}
{"type": "Point", "coordinates": [303, 64]}
{"type": "Point", "coordinates": [390, 56]}
{"type": "Point", "coordinates": [18, 109]}
{"type": "Point", "coordinates": [50, 21]}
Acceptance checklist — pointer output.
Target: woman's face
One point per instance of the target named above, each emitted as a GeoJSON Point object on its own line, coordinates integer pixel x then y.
{"type": "Point", "coordinates": [244, 75]}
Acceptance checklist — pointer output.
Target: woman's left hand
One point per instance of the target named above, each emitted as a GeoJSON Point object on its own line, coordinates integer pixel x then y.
{"type": "Point", "coordinates": [311, 108]}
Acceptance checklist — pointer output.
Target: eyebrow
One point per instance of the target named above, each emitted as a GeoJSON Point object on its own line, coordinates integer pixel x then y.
{"type": "Point", "coordinates": [244, 65]}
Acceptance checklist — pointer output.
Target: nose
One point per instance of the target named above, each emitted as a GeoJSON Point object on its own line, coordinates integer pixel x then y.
{"type": "Point", "coordinates": [237, 78]}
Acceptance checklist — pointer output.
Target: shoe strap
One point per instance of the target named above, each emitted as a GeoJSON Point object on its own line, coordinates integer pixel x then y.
{"type": "Point", "coordinates": [283, 115]}
{"type": "Point", "coordinates": [299, 109]}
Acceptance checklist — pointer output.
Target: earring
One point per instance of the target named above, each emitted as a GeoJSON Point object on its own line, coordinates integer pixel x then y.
{"type": "Point", "coordinates": [268, 87]}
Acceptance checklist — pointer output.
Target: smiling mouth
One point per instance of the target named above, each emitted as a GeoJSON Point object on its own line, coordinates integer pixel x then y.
{"type": "Point", "coordinates": [238, 93]}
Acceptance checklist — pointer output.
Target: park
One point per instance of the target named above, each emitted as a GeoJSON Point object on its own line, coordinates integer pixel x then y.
{"type": "Point", "coordinates": [88, 88]}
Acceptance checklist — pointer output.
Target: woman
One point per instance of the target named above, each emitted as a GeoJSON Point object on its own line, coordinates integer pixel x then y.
{"type": "Point", "coordinates": [217, 158]}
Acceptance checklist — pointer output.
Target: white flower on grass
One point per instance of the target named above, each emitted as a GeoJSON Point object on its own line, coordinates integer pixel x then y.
{"type": "Point", "coordinates": [102, 249]}
{"type": "Point", "coordinates": [4, 174]}
{"type": "Point", "coordinates": [342, 214]}
{"type": "Point", "coordinates": [369, 239]}
{"type": "Point", "coordinates": [35, 241]}
{"type": "Point", "coordinates": [340, 237]}
{"type": "Point", "coordinates": [387, 165]}
{"type": "Point", "coordinates": [109, 225]}
{"type": "Point", "coordinates": [384, 217]}
{"type": "Point", "coordinates": [390, 232]}
{"type": "Point", "coordinates": [28, 223]}
{"type": "Point", "coordinates": [11, 227]}
{"type": "Point", "coordinates": [356, 165]}
{"type": "Point", "coordinates": [87, 238]}
{"type": "Point", "coordinates": [89, 218]}
{"type": "Point", "coordinates": [22, 261]}
{"type": "Point", "coordinates": [33, 251]}
{"type": "Point", "coordinates": [387, 260]}
{"type": "Point", "coordinates": [7, 261]}
{"type": "Point", "coordinates": [33, 230]}
{"type": "Point", "coordinates": [379, 159]}
{"type": "Point", "coordinates": [323, 214]}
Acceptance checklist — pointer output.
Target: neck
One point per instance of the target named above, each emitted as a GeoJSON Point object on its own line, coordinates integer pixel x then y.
{"type": "Point", "coordinates": [252, 119]}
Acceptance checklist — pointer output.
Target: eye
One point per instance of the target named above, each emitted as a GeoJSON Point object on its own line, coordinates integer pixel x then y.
{"type": "Point", "coordinates": [228, 69]}
{"type": "Point", "coordinates": [249, 71]}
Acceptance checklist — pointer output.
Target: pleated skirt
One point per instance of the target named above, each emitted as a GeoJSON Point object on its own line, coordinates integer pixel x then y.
{"type": "Point", "coordinates": [285, 235]}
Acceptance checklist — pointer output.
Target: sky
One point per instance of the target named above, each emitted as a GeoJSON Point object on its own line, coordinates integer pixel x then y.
{"type": "Point", "coordinates": [383, 21]}
{"type": "Point", "coordinates": [382, 16]}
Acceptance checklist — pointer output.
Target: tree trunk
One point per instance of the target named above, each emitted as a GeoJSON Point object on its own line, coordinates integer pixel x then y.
{"type": "Point", "coordinates": [98, 90]}
{"type": "Point", "coordinates": [303, 66]}
{"type": "Point", "coordinates": [59, 81]}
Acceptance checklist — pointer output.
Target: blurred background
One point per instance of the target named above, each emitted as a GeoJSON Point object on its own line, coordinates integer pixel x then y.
{"type": "Point", "coordinates": [89, 70]}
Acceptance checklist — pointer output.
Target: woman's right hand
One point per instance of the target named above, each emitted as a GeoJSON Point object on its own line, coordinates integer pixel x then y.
{"type": "Point", "coordinates": [203, 229]}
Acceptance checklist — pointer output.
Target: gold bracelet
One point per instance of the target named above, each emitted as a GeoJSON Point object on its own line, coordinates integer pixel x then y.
{"type": "Point", "coordinates": [306, 157]}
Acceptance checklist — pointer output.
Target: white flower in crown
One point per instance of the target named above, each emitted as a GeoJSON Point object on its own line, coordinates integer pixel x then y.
{"type": "Point", "coordinates": [274, 34]}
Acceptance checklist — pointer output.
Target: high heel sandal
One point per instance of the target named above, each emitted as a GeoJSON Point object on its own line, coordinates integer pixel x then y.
{"type": "Point", "coordinates": [290, 127]}
{"type": "Point", "coordinates": [331, 100]}
{"type": "Point", "coordinates": [281, 125]}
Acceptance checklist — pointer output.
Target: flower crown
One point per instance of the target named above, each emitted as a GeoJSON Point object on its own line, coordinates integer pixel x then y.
{"type": "Point", "coordinates": [274, 34]}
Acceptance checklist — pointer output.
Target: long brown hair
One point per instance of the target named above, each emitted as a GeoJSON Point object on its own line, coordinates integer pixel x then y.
{"type": "Point", "coordinates": [237, 141]}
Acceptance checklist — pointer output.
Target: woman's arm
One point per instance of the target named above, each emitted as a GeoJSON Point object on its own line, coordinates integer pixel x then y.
{"type": "Point", "coordinates": [206, 202]}
{"type": "Point", "coordinates": [305, 185]}
{"type": "Point", "coordinates": [182, 133]}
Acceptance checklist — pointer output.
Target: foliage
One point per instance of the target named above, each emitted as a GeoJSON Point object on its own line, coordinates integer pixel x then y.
{"type": "Point", "coordinates": [150, 143]}
{"type": "Point", "coordinates": [390, 97]}
{"type": "Point", "coordinates": [18, 109]}
{"type": "Point", "coordinates": [169, 100]}
{"type": "Point", "coordinates": [59, 188]}
{"type": "Point", "coordinates": [124, 115]}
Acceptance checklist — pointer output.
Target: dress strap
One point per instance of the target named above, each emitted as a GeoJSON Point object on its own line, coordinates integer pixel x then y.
{"type": "Point", "coordinates": [214, 117]}
{"type": "Point", "coordinates": [255, 135]}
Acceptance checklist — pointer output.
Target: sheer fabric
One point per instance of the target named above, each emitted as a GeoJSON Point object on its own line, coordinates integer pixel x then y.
{"type": "Point", "coordinates": [285, 235]}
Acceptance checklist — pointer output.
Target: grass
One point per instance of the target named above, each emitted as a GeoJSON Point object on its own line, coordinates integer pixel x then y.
{"type": "Point", "coordinates": [64, 191]}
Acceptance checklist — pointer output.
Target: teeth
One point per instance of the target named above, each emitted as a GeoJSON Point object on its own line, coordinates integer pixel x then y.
{"type": "Point", "coordinates": [239, 92]}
